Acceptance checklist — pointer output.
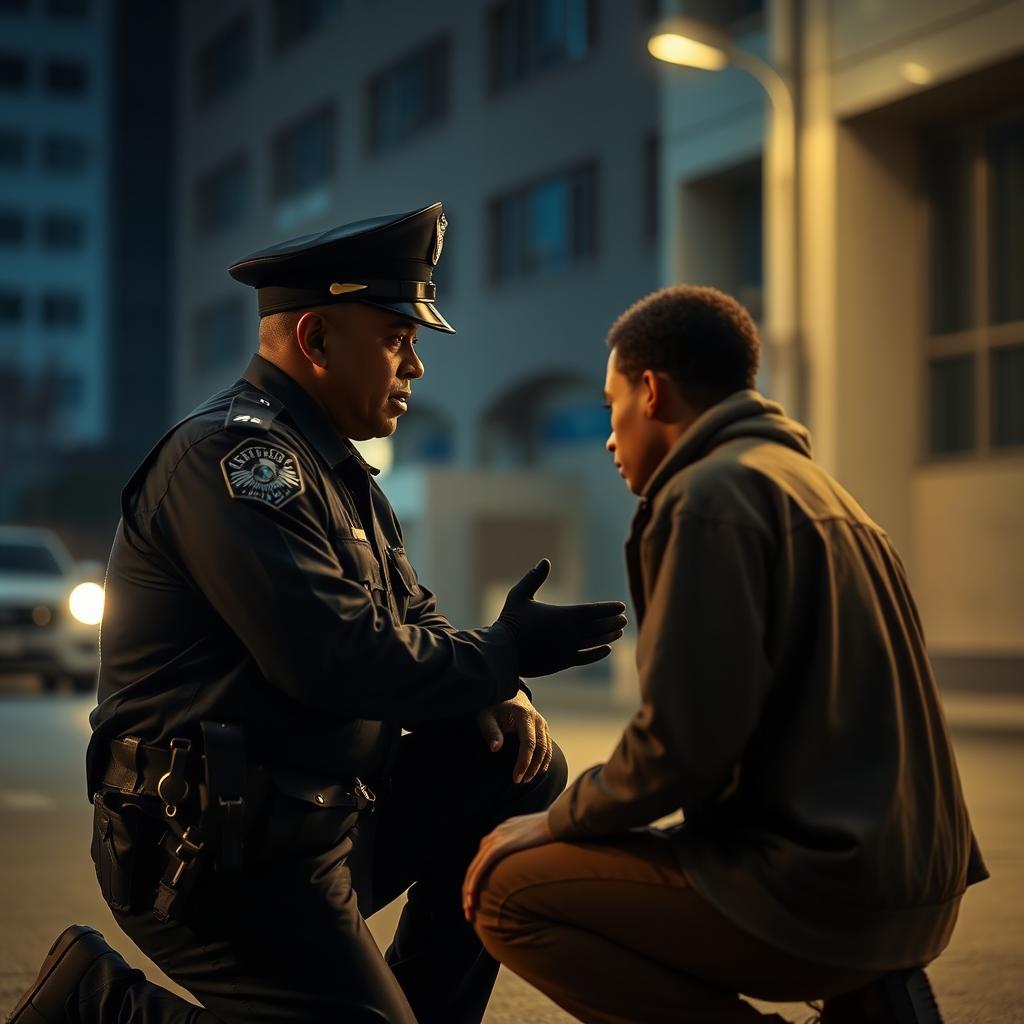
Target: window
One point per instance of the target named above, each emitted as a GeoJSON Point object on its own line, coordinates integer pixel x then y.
{"type": "Point", "coordinates": [975, 346]}
{"type": "Point", "coordinates": [62, 309]}
{"type": "Point", "coordinates": [13, 73]}
{"type": "Point", "coordinates": [63, 231]}
{"type": "Point", "coordinates": [293, 20]}
{"type": "Point", "coordinates": [65, 154]}
{"type": "Point", "coordinates": [530, 36]}
{"type": "Point", "coordinates": [224, 61]}
{"type": "Point", "coordinates": [12, 307]}
{"type": "Point", "coordinates": [13, 149]}
{"type": "Point", "coordinates": [547, 226]}
{"type": "Point", "coordinates": [302, 155]}
{"type": "Point", "coordinates": [219, 335]}
{"type": "Point", "coordinates": [67, 8]}
{"type": "Point", "coordinates": [66, 78]}
{"type": "Point", "coordinates": [12, 227]}
{"type": "Point", "coordinates": [13, 7]}
{"type": "Point", "coordinates": [409, 96]}
{"type": "Point", "coordinates": [221, 196]}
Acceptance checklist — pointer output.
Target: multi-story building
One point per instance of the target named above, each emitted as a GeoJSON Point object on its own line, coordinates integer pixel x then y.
{"type": "Point", "coordinates": [535, 122]}
{"type": "Point", "coordinates": [909, 275]}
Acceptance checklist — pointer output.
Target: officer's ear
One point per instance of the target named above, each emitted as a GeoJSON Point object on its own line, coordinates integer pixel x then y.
{"type": "Point", "coordinates": [309, 333]}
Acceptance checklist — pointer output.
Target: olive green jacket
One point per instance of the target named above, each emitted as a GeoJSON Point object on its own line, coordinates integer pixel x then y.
{"type": "Point", "coordinates": [788, 705]}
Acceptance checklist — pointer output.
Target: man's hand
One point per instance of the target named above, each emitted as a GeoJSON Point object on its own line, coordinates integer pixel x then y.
{"type": "Point", "coordinates": [552, 637]}
{"type": "Point", "coordinates": [518, 833]}
{"type": "Point", "coordinates": [519, 716]}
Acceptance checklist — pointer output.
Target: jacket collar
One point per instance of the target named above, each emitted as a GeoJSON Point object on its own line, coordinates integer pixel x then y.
{"type": "Point", "coordinates": [307, 415]}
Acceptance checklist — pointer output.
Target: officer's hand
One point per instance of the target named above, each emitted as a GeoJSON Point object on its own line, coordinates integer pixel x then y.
{"type": "Point", "coordinates": [520, 717]}
{"type": "Point", "coordinates": [552, 637]}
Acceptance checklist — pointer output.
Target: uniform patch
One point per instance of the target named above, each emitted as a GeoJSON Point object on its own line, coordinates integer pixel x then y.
{"type": "Point", "coordinates": [263, 472]}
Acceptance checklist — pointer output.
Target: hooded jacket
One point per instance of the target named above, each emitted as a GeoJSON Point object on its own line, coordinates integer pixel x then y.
{"type": "Point", "coordinates": [788, 705]}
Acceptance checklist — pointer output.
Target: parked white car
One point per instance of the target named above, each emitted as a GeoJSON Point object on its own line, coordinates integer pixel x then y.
{"type": "Point", "coordinates": [49, 610]}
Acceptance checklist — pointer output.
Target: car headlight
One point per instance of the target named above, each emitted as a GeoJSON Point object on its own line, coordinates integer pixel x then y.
{"type": "Point", "coordinates": [86, 603]}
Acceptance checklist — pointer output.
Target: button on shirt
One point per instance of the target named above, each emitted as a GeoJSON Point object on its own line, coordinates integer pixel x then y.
{"type": "Point", "coordinates": [258, 577]}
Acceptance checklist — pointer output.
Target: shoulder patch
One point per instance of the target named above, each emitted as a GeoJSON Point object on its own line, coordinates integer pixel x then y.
{"type": "Point", "coordinates": [258, 470]}
{"type": "Point", "coordinates": [253, 410]}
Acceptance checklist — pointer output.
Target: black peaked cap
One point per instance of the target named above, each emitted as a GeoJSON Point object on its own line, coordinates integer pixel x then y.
{"type": "Point", "coordinates": [386, 262]}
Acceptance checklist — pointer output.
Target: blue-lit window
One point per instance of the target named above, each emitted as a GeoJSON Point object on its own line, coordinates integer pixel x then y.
{"type": "Point", "coordinates": [12, 227]}
{"type": "Point", "coordinates": [63, 231]}
{"type": "Point", "coordinates": [13, 73]}
{"type": "Point", "coordinates": [294, 20]}
{"type": "Point", "coordinates": [222, 197]}
{"type": "Point", "coordinates": [13, 149]}
{"type": "Point", "coordinates": [547, 226]}
{"type": "Point", "coordinates": [219, 335]}
{"type": "Point", "coordinates": [224, 62]}
{"type": "Point", "coordinates": [12, 307]}
{"type": "Point", "coordinates": [528, 37]}
{"type": "Point", "coordinates": [62, 310]}
{"type": "Point", "coordinates": [410, 95]}
{"type": "Point", "coordinates": [65, 154]}
{"type": "Point", "coordinates": [66, 78]}
{"type": "Point", "coordinates": [303, 154]}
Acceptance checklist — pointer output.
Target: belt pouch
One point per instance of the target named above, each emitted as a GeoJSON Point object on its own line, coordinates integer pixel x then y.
{"type": "Point", "coordinates": [113, 851]}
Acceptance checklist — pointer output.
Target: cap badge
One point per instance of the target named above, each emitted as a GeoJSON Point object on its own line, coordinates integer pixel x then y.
{"type": "Point", "coordinates": [442, 225]}
{"type": "Point", "coordinates": [344, 289]}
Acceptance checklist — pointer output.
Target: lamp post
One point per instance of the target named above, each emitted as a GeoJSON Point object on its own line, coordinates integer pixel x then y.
{"type": "Point", "coordinates": [692, 43]}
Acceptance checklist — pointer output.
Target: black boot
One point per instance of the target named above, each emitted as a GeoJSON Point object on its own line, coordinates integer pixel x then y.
{"type": "Point", "coordinates": [900, 997]}
{"type": "Point", "coordinates": [76, 949]}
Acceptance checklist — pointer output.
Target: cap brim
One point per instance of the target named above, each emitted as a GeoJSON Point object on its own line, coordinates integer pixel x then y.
{"type": "Point", "coordinates": [420, 312]}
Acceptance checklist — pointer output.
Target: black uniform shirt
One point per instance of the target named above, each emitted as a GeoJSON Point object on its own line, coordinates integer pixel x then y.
{"type": "Point", "coordinates": [258, 577]}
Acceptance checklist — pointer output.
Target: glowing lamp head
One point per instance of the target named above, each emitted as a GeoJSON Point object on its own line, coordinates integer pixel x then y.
{"type": "Point", "coordinates": [691, 44]}
{"type": "Point", "coordinates": [86, 603]}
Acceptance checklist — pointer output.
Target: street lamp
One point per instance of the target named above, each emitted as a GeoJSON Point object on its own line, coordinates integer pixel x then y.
{"type": "Point", "coordinates": [691, 43]}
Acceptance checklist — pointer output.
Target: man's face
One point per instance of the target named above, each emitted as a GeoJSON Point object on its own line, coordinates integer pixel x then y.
{"type": "Point", "coordinates": [371, 364]}
{"type": "Point", "coordinates": [636, 442]}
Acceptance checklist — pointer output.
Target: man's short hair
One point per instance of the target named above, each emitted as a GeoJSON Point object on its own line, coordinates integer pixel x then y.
{"type": "Point", "coordinates": [701, 337]}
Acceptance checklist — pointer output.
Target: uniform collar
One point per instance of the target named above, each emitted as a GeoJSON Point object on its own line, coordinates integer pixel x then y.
{"type": "Point", "coordinates": [311, 420]}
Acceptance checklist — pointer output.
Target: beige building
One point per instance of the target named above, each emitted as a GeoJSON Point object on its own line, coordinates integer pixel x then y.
{"type": "Point", "coordinates": [908, 301]}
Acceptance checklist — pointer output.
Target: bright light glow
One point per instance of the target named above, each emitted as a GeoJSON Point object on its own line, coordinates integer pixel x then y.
{"type": "Point", "coordinates": [916, 74]}
{"type": "Point", "coordinates": [379, 452]}
{"type": "Point", "coordinates": [679, 49]}
{"type": "Point", "coordinates": [86, 603]}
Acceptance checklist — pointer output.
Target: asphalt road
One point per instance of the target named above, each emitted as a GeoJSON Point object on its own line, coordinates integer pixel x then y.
{"type": "Point", "coordinates": [47, 880]}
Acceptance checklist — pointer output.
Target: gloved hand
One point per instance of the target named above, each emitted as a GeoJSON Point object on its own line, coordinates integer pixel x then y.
{"type": "Point", "coordinates": [552, 637]}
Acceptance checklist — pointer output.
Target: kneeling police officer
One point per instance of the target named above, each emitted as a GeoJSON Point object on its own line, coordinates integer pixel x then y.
{"type": "Point", "coordinates": [273, 672]}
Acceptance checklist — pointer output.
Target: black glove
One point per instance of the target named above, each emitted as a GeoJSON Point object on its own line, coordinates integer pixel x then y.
{"type": "Point", "coordinates": [552, 637]}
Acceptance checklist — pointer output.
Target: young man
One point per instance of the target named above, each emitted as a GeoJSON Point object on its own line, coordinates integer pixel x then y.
{"type": "Point", "coordinates": [788, 709]}
{"type": "Point", "coordinates": [265, 642]}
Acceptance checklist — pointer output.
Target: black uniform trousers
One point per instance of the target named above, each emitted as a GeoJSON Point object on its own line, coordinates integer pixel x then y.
{"type": "Point", "coordinates": [286, 940]}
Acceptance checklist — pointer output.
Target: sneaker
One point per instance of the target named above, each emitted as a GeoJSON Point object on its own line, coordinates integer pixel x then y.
{"type": "Point", "coordinates": [900, 997]}
{"type": "Point", "coordinates": [75, 950]}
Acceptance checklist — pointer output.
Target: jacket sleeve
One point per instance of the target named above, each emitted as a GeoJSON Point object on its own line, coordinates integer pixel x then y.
{"type": "Point", "coordinates": [274, 577]}
{"type": "Point", "coordinates": [703, 676]}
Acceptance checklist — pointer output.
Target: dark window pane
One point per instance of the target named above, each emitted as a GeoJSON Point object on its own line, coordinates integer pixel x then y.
{"type": "Point", "coordinates": [13, 150]}
{"type": "Point", "coordinates": [951, 278]}
{"type": "Point", "coordinates": [66, 78]}
{"type": "Point", "coordinates": [224, 61]}
{"type": "Point", "coordinates": [69, 391]}
{"type": "Point", "coordinates": [63, 231]}
{"type": "Point", "coordinates": [62, 309]}
{"type": "Point", "coordinates": [219, 335]}
{"type": "Point", "coordinates": [296, 19]}
{"type": "Point", "coordinates": [1007, 369]}
{"type": "Point", "coordinates": [409, 96]}
{"type": "Point", "coordinates": [1006, 153]}
{"type": "Point", "coordinates": [13, 7]}
{"type": "Point", "coordinates": [529, 36]}
{"type": "Point", "coordinates": [12, 227]}
{"type": "Point", "coordinates": [951, 405]}
{"type": "Point", "coordinates": [303, 154]}
{"type": "Point", "coordinates": [65, 154]}
{"type": "Point", "coordinates": [67, 8]}
{"type": "Point", "coordinates": [13, 73]}
{"type": "Point", "coordinates": [547, 226]}
{"type": "Point", "coordinates": [12, 307]}
{"type": "Point", "coordinates": [222, 196]}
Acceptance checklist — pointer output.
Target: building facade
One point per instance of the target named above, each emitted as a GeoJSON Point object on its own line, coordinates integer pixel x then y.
{"type": "Point", "coordinates": [909, 280]}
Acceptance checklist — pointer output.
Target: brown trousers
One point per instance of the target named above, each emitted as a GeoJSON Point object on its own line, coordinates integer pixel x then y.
{"type": "Point", "coordinates": [614, 933]}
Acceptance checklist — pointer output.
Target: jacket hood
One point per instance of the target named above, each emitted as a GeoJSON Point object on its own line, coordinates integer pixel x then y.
{"type": "Point", "coordinates": [743, 414]}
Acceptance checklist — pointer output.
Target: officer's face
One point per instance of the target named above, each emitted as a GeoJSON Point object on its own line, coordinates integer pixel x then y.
{"type": "Point", "coordinates": [637, 442]}
{"type": "Point", "coordinates": [371, 362]}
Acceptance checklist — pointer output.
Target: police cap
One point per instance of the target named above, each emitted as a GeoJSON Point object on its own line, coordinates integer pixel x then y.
{"type": "Point", "coordinates": [384, 261]}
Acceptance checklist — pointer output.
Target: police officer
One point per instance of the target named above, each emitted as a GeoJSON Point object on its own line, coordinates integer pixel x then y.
{"type": "Point", "coordinates": [273, 671]}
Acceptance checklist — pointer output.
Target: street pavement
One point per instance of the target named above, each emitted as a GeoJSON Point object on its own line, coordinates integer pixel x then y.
{"type": "Point", "coordinates": [47, 879]}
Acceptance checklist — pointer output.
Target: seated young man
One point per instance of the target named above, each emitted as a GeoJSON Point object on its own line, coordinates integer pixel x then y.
{"type": "Point", "coordinates": [788, 708]}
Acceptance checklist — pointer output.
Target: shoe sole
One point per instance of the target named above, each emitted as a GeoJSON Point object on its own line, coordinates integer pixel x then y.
{"type": "Point", "coordinates": [27, 1013]}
